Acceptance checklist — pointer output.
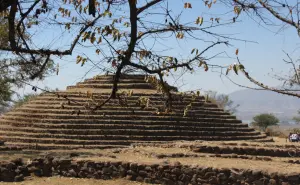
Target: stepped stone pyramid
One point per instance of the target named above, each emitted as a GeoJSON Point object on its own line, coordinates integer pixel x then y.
{"type": "Point", "coordinates": [51, 121]}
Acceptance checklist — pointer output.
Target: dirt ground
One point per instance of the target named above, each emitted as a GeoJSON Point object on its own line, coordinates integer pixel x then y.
{"type": "Point", "coordinates": [148, 155]}
{"type": "Point", "coordinates": [71, 181]}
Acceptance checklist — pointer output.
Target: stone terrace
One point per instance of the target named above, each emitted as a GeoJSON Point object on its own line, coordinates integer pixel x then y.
{"type": "Point", "coordinates": [52, 122]}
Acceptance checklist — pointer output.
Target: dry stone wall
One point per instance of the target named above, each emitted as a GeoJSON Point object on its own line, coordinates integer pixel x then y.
{"type": "Point", "coordinates": [176, 174]}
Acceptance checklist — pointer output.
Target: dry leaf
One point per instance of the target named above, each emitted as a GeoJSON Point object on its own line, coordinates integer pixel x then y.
{"type": "Point", "coordinates": [237, 51]}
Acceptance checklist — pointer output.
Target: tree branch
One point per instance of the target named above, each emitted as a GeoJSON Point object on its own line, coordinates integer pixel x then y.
{"type": "Point", "coordinates": [274, 13]}
{"type": "Point", "coordinates": [151, 3]}
{"type": "Point", "coordinates": [265, 86]}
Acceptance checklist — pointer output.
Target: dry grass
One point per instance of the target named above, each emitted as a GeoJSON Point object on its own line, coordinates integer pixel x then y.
{"type": "Point", "coordinates": [72, 181]}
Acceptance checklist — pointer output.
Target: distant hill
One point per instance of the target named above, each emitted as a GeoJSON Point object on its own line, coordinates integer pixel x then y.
{"type": "Point", "coordinates": [254, 102]}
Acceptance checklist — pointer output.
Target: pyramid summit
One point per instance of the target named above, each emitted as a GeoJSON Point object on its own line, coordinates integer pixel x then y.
{"type": "Point", "coordinates": [62, 120]}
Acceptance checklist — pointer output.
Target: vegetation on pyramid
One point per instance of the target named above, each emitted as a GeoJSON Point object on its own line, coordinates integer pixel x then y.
{"type": "Point", "coordinates": [67, 119]}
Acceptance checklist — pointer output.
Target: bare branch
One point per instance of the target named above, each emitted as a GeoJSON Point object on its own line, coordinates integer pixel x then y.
{"type": "Point", "coordinates": [151, 3]}
{"type": "Point", "coordinates": [275, 14]}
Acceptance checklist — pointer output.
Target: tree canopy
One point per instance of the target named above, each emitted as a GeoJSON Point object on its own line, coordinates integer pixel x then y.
{"type": "Point", "coordinates": [297, 118]}
{"type": "Point", "coordinates": [17, 69]}
{"type": "Point", "coordinates": [131, 35]}
{"type": "Point", "coordinates": [264, 120]}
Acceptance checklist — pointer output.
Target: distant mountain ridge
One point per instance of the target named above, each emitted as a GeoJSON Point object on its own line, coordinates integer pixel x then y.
{"type": "Point", "coordinates": [253, 102]}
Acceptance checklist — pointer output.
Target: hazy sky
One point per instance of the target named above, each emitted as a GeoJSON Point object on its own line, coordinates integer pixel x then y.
{"type": "Point", "coordinates": [259, 58]}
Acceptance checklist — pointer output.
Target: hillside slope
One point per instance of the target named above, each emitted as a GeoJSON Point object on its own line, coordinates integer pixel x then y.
{"type": "Point", "coordinates": [255, 102]}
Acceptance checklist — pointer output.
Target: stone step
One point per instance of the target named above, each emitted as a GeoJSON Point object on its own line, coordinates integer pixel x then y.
{"type": "Point", "coordinates": [110, 77]}
{"type": "Point", "coordinates": [135, 105]}
{"type": "Point", "coordinates": [120, 112]}
{"type": "Point", "coordinates": [116, 101]}
{"type": "Point", "coordinates": [154, 135]}
{"type": "Point", "coordinates": [133, 128]}
{"type": "Point", "coordinates": [42, 146]}
{"type": "Point", "coordinates": [100, 118]}
{"type": "Point", "coordinates": [82, 124]}
{"type": "Point", "coordinates": [135, 95]}
{"type": "Point", "coordinates": [128, 86]}
{"type": "Point", "coordinates": [117, 108]}
{"type": "Point", "coordinates": [120, 142]}
{"type": "Point", "coordinates": [256, 151]}
{"type": "Point", "coordinates": [105, 81]}
{"type": "Point", "coordinates": [114, 107]}
{"type": "Point", "coordinates": [128, 116]}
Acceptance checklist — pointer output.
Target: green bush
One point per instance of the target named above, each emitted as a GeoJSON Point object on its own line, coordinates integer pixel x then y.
{"type": "Point", "coordinates": [263, 121]}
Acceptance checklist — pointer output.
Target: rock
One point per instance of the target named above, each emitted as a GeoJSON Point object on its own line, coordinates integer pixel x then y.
{"type": "Point", "coordinates": [274, 176]}
{"type": "Point", "coordinates": [166, 181]}
{"type": "Point", "coordinates": [85, 169]}
{"type": "Point", "coordinates": [184, 178]}
{"type": "Point", "coordinates": [107, 171]}
{"type": "Point", "coordinates": [293, 178]}
{"type": "Point", "coordinates": [89, 164]}
{"type": "Point", "coordinates": [116, 151]}
{"type": "Point", "coordinates": [72, 173]}
{"type": "Point", "coordinates": [47, 170]}
{"type": "Point", "coordinates": [267, 159]}
{"type": "Point", "coordinates": [180, 183]}
{"type": "Point", "coordinates": [177, 164]}
{"type": "Point", "coordinates": [133, 166]}
{"type": "Point", "coordinates": [187, 171]}
{"type": "Point", "coordinates": [148, 168]}
{"type": "Point", "coordinates": [18, 161]}
{"type": "Point", "coordinates": [257, 174]}
{"type": "Point", "coordinates": [236, 177]}
{"type": "Point", "coordinates": [7, 175]}
{"type": "Point", "coordinates": [73, 154]}
{"type": "Point", "coordinates": [91, 170]}
{"type": "Point", "coordinates": [122, 171]}
{"type": "Point", "coordinates": [222, 177]}
{"type": "Point", "coordinates": [143, 173]}
{"type": "Point", "coordinates": [272, 182]}
{"type": "Point", "coordinates": [213, 180]}
{"type": "Point", "coordinates": [11, 166]}
{"type": "Point", "coordinates": [19, 178]}
{"type": "Point", "coordinates": [285, 183]}
{"type": "Point", "coordinates": [130, 177]}
{"type": "Point", "coordinates": [55, 161]}
{"type": "Point", "coordinates": [139, 179]}
{"type": "Point", "coordinates": [18, 171]}
{"type": "Point", "coordinates": [82, 174]}
{"type": "Point", "coordinates": [209, 174]}
{"type": "Point", "coordinates": [258, 182]}
{"type": "Point", "coordinates": [148, 180]}
{"type": "Point", "coordinates": [174, 177]}
{"type": "Point", "coordinates": [141, 167]}
{"type": "Point", "coordinates": [23, 170]}
{"type": "Point", "coordinates": [176, 171]}
{"type": "Point", "coordinates": [194, 179]}
{"type": "Point", "coordinates": [106, 177]}
{"type": "Point", "coordinates": [38, 173]}
{"type": "Point", "coordinates": [154, 166]}
{"type": "Point", "coordinates": [131, 172]}
{"type": "Point", "coordinates": [160, 156]}
{"type": "Point", "coordinates": [115, 174]}
{"type": "Point", "coordinates": [96, 175]}
{"type": "Point", "coordinates": [201, 181]}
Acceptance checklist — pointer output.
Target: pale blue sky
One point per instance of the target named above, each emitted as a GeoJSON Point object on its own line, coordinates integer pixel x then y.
{"type": "Point", "coordinates": [258, 58]}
